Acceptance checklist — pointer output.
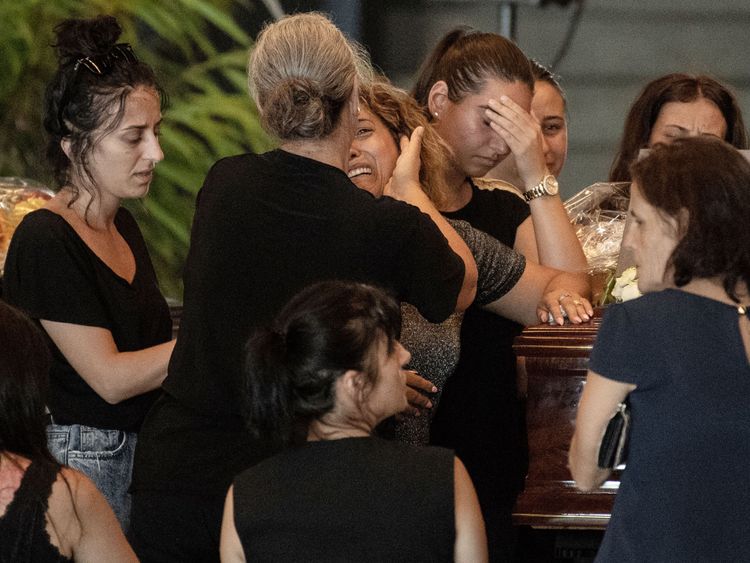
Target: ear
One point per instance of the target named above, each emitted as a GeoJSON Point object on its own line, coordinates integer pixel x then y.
{"type": "Point", "coordinates": [682, 219]}
{"type": "Point", "coordinates": [438, 100]}
{"type": "Point", "coordinates": [349, 387]}
{"type": "Point", "coordinates": [65, 146]}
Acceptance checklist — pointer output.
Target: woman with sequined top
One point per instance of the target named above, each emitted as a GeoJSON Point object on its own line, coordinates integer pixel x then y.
{"type": "Point", "coordinates": [507, 284]}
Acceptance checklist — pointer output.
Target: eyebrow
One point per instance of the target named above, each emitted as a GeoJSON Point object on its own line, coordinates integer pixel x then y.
{"type": "Point", "coordinates": [141, 127]}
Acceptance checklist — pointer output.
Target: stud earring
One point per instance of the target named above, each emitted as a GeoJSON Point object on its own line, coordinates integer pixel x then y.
{"type": "Point", "coordinates": [435, 114]}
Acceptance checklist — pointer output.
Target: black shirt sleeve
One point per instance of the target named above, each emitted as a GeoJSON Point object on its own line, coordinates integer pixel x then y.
{"type": "Point", "coordinates": [430, 275]}
{"type": "Point", "coordinates": [48, 275]}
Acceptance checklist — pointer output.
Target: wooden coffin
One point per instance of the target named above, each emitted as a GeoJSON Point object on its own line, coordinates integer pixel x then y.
{"type": "Point", "coordinates": [552, 365]}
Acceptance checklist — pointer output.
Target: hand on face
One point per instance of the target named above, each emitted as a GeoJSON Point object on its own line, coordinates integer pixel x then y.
{"type": "Point", "coordinates": [404, 183]}
{"type": "Point", "coordinates": [522, 134]}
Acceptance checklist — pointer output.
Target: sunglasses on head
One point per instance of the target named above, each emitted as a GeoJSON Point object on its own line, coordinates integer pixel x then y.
{"type": "Point", "coordinates": [103, 64]}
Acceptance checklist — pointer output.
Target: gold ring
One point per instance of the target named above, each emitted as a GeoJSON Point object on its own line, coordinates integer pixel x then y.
{"type": "Point", "coordinates": [576, 302]}
{"type": "Point", "coordinates": [563, 296]}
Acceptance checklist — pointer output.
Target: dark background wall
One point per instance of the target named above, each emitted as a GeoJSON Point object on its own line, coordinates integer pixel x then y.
{"type": "Point", "coordinates": [618, 47]}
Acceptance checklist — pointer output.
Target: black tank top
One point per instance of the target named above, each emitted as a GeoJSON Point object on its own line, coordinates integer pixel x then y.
{"type": "Point", "coordinates": [354, 499]}
{"type": "Point", "coordinates": [23, 534]}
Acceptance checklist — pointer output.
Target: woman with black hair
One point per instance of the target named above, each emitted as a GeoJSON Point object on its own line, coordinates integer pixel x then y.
{"type": "Point", "coordinates": [80, 268]}
{"type": "Point", "coordinates": [319, 379]}
{"type": "Point", "coordinates": [47, 512]}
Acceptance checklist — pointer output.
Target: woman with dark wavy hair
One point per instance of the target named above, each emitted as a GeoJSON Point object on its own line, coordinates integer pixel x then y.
{"type": "Point", "coordinates": [674, 106]}
{"type": "Point", "coordinates": [47, 512]}
{"type": "Point", "coordinates": [320, 377]}
{"type": "Point", "coordinates": [80, 266]}
{"type": "Point", "coordinates": [681, 354]}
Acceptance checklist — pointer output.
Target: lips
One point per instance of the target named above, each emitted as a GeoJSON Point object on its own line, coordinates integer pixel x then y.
{"type": "Point", "coordinates": [354, 172]}
{"type": "Point", "coordinates": [145, 176]}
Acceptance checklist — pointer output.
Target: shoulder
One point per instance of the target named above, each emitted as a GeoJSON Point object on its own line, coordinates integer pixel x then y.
{"type": "Point", "coordinates": [492, 184]}
{"type": "Point", "coordinates": [41, 223]}
{"type": "Point", "coordinates": [650, 308]}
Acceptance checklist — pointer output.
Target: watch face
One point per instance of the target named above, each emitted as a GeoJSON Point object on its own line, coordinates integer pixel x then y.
{"type": "Point", "coordinates": [550, 185]}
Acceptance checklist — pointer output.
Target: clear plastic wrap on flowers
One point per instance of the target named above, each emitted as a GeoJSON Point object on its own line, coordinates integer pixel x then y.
{"type": "Point", "coordinates": [598, 214]}
{"type": "Point", "coordinates": [18, 197]}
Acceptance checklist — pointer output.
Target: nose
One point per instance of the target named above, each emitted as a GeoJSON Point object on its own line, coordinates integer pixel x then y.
{"type": "Point", "coordinates": [545, 146]}
{"type": "Point", "coordinates": [353, 150]}
{"type": "Point", "coordinates": [499, 146]}
{"type": "Point", "coordinates": [628, 236]}
{"type": "Point", "coordinates": [153, 151]}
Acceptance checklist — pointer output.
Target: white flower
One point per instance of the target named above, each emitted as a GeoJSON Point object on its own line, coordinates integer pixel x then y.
{"type": "Point", "coordinates": [626, 286]}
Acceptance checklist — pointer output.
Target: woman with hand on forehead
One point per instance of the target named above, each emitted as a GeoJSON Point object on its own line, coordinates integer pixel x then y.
{"type": "Point", "coordinates": [508, 284]}
{"type": "Point", "coordinates": [549, 108]}
{"type": "Point", "coordinates": [476, 89]}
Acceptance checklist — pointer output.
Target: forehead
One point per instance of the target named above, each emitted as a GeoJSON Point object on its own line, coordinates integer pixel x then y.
{"type": "Point", "coordinates": [547, 100]}
{"type": "Point", "coordinates": [701, 111]}
{"type": "Point", "coordinates": [494, 88]}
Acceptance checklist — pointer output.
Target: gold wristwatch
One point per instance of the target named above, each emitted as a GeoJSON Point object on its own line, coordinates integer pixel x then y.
{"type": "Point", "coordinates": [548, 186]}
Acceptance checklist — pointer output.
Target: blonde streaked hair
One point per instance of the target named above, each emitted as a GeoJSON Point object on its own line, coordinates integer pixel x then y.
{"type": "Point", "coordinates": [401, 115]}
{"type": "Point", "coordinates": [301, 73]}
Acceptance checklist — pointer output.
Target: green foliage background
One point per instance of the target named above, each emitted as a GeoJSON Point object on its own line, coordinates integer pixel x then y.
{"type": "Point", "coordinates": [209, 116]}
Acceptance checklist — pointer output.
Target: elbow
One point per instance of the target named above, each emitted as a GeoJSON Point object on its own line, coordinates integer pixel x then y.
{"type": "Point", "coordinates": [466, 296]}
{"type": "Point", "coordinates": [112, 397]}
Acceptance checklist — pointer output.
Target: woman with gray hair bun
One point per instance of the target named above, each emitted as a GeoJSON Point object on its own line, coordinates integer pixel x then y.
{"type": "Point", "coordinates": [265, 227]}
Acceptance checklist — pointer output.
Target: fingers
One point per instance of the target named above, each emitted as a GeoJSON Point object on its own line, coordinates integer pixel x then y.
{"type": "Point", "coordinates": [416, 385]}
{"type": "Point", "coordinates": [556, 306]}
{"type": "Point", "coordinates": [522, 134]}
{"type": "Point", "coordinates": [416, 381]}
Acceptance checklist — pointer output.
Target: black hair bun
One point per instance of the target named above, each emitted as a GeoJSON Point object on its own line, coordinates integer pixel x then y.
{"type": "Point", "coordinates": [80, 38]}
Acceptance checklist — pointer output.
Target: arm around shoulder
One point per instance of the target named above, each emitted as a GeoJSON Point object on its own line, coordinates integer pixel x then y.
{"type": "Point", "coordinates": [471, 538]}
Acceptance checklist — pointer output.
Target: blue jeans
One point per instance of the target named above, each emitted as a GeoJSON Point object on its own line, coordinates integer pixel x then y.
{"type": "Point", "coordinates": [105, 456]}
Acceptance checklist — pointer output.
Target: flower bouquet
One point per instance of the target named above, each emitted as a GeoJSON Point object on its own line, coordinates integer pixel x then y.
{"type": "Point", "coordinates": [598, 214]}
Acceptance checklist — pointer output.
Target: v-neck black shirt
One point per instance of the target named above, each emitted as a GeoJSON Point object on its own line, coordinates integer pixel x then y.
{"type": "Point", "coordinates": [52, 274]}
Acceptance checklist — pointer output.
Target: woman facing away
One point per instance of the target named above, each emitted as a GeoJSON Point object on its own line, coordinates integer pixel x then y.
{"type": "Point", "coordinates": [79, 266]}
{"type": "Point", "coordinates": [675, 106]}
{"type": "Point", "coordinates": [680, 354]}
{"type": "Point", "coordinates": [48, 513]}
{"type": "Point", "coordinates": [508, 285]}
{"type": "Point", "coordinates": [549, 108]}
{"type": "Point", "coordinates": [476, 89]}
{"type": "Point", "coordinates": [319, 379]}
{"type": "Point", "coordinates": [266, 226]}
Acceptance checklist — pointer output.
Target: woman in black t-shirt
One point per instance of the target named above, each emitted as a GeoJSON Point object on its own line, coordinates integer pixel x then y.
{"type": "Point", "coordinates": [476, 89]}
{"type": "Point", "coordinates": [80, 266]}
{"type": "Point", "coordinates": [319, 379]}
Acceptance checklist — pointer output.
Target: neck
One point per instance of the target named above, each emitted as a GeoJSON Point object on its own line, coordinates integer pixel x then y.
{"type": "Point", "coordinates": [332, 150]}
{"type": "Point", "coordinates": [459, 194]}
{"type": "Point", "coordinates": [96, 212]}
{"type": "Point", "coordinates": [713, 288]}
{"type": "Point", "coordinates": [328, 429]}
